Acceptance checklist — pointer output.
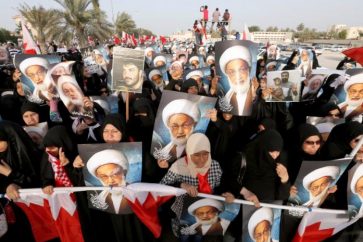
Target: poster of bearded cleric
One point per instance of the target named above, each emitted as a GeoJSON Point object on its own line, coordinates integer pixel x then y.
{"type": "Point", "coordinates": [127, 69]}
{"type": "Point", "coordinates": [69, 91]}
{"type": "Point", "coordinates": [37, 85]}
{"type": "Point", "coordinates": [261, 224]}
{"type": "Point", "coordinates": [179, 115]}
{"type": "Point", "coordinates": [355, 191]}
{"type": "Point", "coordinates": [205, 217]}
{"type": "Point", "coordinates": [284, 85]}
{"type": "Point", "coordinates": [349, 94]}
{"type": "Point", "coordinates": [236, 64]}
{"type": "Point", "coordinates": [111, 165]}
{"type": "Point", "coordinates": [315, 181]}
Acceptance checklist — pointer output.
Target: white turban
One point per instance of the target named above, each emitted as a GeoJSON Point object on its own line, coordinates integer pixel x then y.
{"type": "Point", "coordinates": [153, 73]}
{"type": "Point", "coordinates": [358, 173]}
{"type": "Point", "coordinates": [356, 79]}
{"type": "Point", "coordinates": [104, 157]}
{"type": "Point", "coordinates": [33, 61]}
{"type": "Point", "coordinates": [148, 49]}
{"type": "Point", "coordinates": [270, 64]}
{"type": "Point", "coordinates": [66, 78]}
{"type": "Point", "coordinates": [194, 73]}
{"type": "Point", "coordinates": [233, 53]}
{"type": "Point", "coordinates": [193, 58]}
{"type": "Point", "coordinates": [183, 106]}
{"type": "Point", "coordinates": [159, 58]}
{"type": "Point", "coordinates": [205, 202]}
{"type": "Point", "coordinates": [257, 217]}
{"type": "Point", "coordinates": [331, 171]}
{"type": "Point", "coordinates": [179, 63]}
{"type": "Point", "coordinates": [210, 57]}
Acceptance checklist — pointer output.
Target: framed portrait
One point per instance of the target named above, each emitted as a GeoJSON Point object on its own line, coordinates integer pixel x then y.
{"type": "Point", "coordinates": [285, 86]}
{"type": "Point", "coordinates": [127, 69]}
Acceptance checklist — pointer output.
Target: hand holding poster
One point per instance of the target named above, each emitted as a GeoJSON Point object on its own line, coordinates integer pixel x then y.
{"type": "Point", "coordinates": [283, 86]}
{"type": "Point", "coordinates": [111, 165]}
{"type": "Point", "coordinates": [35, 76]}
{"type": "Point", "coordinates": [236, 64]}
{"type": "Point", "coordinates": [316, 180]}
{"type": "Point", "coordinates": [179, 115]}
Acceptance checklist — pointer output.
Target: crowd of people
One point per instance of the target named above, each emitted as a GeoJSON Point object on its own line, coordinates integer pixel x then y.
{"type": "Point", "coordinates": [252, 149]}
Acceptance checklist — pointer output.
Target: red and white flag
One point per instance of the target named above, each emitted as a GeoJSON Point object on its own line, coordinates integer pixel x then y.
{"type": "Point", "coordinates": [29, 45]}
{"type": "Point", "coordinates": [320, 226]}
{"type": "Point", "coordinates": [52, 216]}
{"type": "Point", "coordinates": [246, 33]}
{"type": "Point", "coordinates": [145, 199]}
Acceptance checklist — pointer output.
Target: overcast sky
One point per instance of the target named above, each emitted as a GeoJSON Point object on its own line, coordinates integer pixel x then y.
{"type": "Point", "coordinates": [168, 16]}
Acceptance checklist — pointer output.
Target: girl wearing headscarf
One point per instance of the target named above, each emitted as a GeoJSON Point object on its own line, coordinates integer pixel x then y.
{"type": "Point", "coordinates": [18, 169]}
{"type": "Point", "coordinates": [195, 172]}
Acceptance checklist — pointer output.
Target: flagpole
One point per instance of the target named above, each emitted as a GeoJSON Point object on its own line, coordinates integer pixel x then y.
{"type": "Point", "coordinates": [58, 190]}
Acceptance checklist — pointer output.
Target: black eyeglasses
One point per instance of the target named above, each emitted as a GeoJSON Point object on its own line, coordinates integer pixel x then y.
{"type": "Point", "coordinates": [308, 142]}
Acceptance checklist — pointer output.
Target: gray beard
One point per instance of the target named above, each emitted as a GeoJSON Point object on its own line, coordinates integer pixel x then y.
{"type": "Point", "coordinates": [181, 141]}
{"type": "Point", "coordinates": [42, 87]}
{"type": "Point", "coordinates": [240, 89]}
{"type": "Point", "coordinates": [76, 102]}
{"type": "Point", "coordinates": [354, 103]}
{"type": "Point", "coordinates": [207, 222]}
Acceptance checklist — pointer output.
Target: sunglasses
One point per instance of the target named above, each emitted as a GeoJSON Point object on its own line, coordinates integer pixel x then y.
{"type": "Point", "coordinates": [308, 142]}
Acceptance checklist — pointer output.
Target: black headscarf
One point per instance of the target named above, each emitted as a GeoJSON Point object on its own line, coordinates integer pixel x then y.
{"type": "Point", "coordinates": [21, 155]}
{"type": "Point", "coordinates": [337, 145]}
{"type": "Point", "coordinates": [189, 83]}
{"type": "Point", "coordinates": [261, 177]}
{"type": "Point", "coordinates": [268, 123]}
{"type": "Point", "coordinates": [117, 121]}
{"type": "Point", "coordinates": [58, 136]}
{"type": "Point", "coordinates": [29, 106]}
{"type": "Point", "coordinates": [305, 131]}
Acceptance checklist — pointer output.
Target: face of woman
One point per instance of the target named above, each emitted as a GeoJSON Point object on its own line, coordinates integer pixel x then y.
{"type": "Point", "coordinates": [111, 134]}
{"type": "Point", "coordinates": [274, 154]}
{"type": "Point", "coordinates": [31, 118]}
{"type": "Point", "coordinates": [311, 145]}
{"type": "Point", "coordinates": [200, 158]}
{"type": "Point", "coordinates": [3, 146]}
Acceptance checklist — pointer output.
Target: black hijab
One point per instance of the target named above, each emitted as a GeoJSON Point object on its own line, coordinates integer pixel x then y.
{"type": "Point", "coordinates": [58, 136]}
{"type": "Point", "coordinates": [337, 145]}
{"type": "Point", "coordinates": [117, 121]}
{"type": "Point", "coordinates": [29, 106]}
{"type": "Point", "coordinates": [187, 84]}
{"type": "Point", "coordinates": [21, 155]}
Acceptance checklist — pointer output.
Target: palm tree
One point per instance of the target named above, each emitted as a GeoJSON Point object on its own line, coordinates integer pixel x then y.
{"type": "Point", "coordinates": [84, 20]}
{"type": "Point", "coordinates": [124, 22]}
{"type": "Point", "coordinates": [44, 22]}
